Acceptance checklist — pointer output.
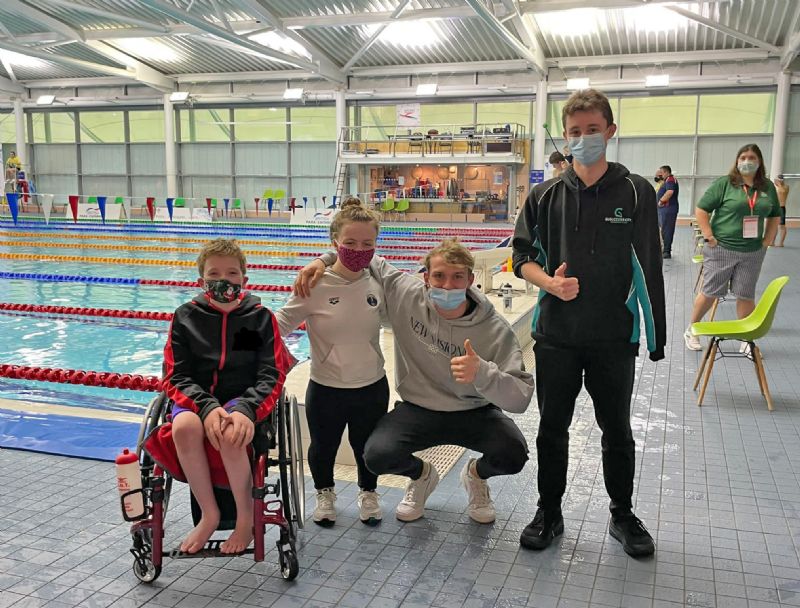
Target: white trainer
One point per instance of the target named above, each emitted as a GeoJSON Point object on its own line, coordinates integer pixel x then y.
{"type": "Point", "coordinates": [747, 351]}
{"type": "Point", "coordinates": [692, 341]}
{"type": "Point", "coordinates": [369, 508]}
{"type": "Point", "coordinates": [480, 507]}
{"type": "Point", "coordinates": [325, 511]}
{"type": "Point", "coordinates": [412, 507]}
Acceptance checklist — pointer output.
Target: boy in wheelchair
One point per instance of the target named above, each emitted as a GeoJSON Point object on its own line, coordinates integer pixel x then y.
{"type": "Point", "coordinates": [224, 369]}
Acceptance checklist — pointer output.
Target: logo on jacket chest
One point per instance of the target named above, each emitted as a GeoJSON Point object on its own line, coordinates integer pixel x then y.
{"type": "Point", "coordinates": [372, 300]}
{"type": "Point", "coordinates": [333, 301]}
{"type": "Point", "coordinates": [618, 218]}
{"type": "Point", "coordinates": [435, 344]}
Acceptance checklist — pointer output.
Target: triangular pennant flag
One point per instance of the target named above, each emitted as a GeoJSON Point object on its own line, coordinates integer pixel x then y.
{"type": "Point", "coordinates": [293, 204]}
{"type": "Point", "coordinates": [270, 202]}
{"type": "Point", "coordinates": [12, 198]}
{"type": "Point", "coordinates": [335, 198]}
{"type": "Point", "coordinates": [226, 201]}
{"type": "Point", "coordinates": [46, 201]}
{"type": "Point", "coordinates": [101, 204]}
{"type": "Point", "coordinates": [151, 210]}
{"type": "Point", "coordinates": [73, 205]}
{"type": "Point", "coordinates": [324, 201]}
{"type": "Point", "coordinates": [208, 205]}
{"type": "Point", "coordinates": [305, 202]}
{"type": "Point", "coordinates": [257, 199]}
{"type": "Point", "coordinates": [170, 203]}
{"type": "Point", "coordinates": [126, 207]}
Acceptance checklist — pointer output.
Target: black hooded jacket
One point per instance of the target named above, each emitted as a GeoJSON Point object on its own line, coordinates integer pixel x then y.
{"type": "Point", "coordinates": [214, 357]}
{"type": "Point", "coordinates": [608, 236]}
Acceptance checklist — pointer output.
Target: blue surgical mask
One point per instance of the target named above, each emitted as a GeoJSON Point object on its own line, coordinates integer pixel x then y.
{"type": "Point", "coordinates": [447, 299]}
{"type": "Point", "coordinates": [747, 167]}
{"type": "Point", "coordinates": [588, 149]}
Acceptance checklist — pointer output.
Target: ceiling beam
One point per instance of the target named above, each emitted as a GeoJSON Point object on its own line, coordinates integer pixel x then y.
{"type": "Point", "coordinates": [31, 11]}
{"type": "Point", "coordinates": [10, 86]}
{"type": "Point", "coordinates": [201, 24]}
{"type": "Point", "coordinates": [246, 76]}
{"type": "Point", "coordinates": [659, 58]}
{"type": "Point", "coordinates": [528, 31]}
{"type": "Point", "coordinates": [107, 14]}
{"type": "Point", "coordinates": [534, 56]}
{"type": "Point", "coordinates": [377, 34]}
{"type": "Point", "coordinates": [141, 72]}
{"type": "Point", "coordinates": [792, 46]}
{"type": "Point", "coordinates": [514, 65]}
{"type": "Point", "coordinates": [714, 25]}
{"type": "Point", "coordinates": [250, 26]}
{"type": "Point", "coordinates": [64, 60]}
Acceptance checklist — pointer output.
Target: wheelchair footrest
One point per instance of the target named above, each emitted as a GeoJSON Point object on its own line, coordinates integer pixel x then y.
{"type": "Point", "coordinates": [212, 549]}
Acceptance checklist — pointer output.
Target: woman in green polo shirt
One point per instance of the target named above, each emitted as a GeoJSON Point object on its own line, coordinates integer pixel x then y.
{"type": "Point", "coordinates": [732, 216]}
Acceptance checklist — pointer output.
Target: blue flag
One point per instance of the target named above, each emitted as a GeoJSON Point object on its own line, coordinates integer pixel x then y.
{"type": "Point", "coordinates": [13, 198]}
{"type": "Point", "coordinates": [170, 204]}
{"type": "Point", "coordinates": [101, 204]}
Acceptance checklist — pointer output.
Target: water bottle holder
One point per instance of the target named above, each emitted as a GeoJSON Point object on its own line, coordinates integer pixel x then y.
{"type": "Point", "coordinates": [145, 514]}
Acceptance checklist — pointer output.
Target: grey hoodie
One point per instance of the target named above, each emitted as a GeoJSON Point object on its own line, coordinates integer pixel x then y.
{"type": "Point", "coordinates": [425, 342]}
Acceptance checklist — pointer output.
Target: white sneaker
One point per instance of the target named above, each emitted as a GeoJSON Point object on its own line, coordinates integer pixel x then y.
{"type": "Point", "coordinates": [369, 508]}
{"type": "Point", "coordinates": [325, 511]}
{"type": "Point", "coordinates": [412, 507]}
{"type": "Point", "coordinates": [480, 507]}
{"type": "Point", "coordinates": [692, 341]}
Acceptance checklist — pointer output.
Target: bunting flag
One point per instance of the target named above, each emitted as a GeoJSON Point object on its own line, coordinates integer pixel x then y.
{"type": "Point", "coordinates": [101, 204]}
{"type": "Point", "coordinates": [257, 199]}
{"type": "Point", "coordinates": [335, 198]}
{"type": "Point", "coordinates": [73, 205]}
{"type": "Point", "coordinates": [292, 204]}
{"type": "Point", "coordinates": [12, 198]}
{"type": "Point", "coordinates": [324, 202]}
{"type": "Point", "coordinates": [226, 201]}
{"type": "Point", "coordinates": [269, 205]}
{"type": "Point", "coordinates": [208, 205]}
{"type": "Point", "coordinates": [46, 201]}
{"type": "Point", "coordinates": [170, 204]}
{"type": "Point", "coordinates": [151, 210]}
{"type": "Point", "coordinates": [305, 202]}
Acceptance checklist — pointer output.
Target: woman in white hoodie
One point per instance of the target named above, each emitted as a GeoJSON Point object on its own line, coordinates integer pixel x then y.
{"type": "Point", "coordinates": [348, 385]}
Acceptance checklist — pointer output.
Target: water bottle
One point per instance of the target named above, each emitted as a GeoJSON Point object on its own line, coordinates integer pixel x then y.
{"type": "Point", "coordinates": [508, 297]}
{"type": "Point", "coordinates": [130, 478]}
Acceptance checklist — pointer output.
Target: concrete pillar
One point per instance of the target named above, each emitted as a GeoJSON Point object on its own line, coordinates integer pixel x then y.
{"type": "Point", "coordinates": [341, 112]}
{"type": "Point", "coordinates": [781, 123]}
{"type": "Point", "coordinates": [540, 137]}
{"type": "Point", "coordinates": [170, 148]}
{"type": "Point", "coordinates": [19, 120]}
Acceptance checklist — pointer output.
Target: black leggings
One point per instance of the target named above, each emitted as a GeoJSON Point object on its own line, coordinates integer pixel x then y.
{"type": "Point", "coordinates": [328, 411]}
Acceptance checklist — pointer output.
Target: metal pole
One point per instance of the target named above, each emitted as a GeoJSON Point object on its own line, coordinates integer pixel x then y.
{"type": "Point", "coordinates": [781, 120]}
{"type": "Point", "coordinates": [19, 120]}
{"type": "Point", "coordinates": [169, 148]}
{"type": "Point", "coordinates": [539, 138]}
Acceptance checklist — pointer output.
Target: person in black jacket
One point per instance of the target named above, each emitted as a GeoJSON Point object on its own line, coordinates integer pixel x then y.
{"type": "Point", "coordinates": [589, 240]}
{"type": "Point", "coordinates": [224, 369]}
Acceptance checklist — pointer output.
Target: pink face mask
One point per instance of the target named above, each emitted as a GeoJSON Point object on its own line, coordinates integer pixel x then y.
{"type": "Point", "coordinates": [353, 259]}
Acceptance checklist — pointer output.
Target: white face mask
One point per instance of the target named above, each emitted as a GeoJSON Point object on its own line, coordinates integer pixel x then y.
{"type": "Point", "coordinates": [747, 167]}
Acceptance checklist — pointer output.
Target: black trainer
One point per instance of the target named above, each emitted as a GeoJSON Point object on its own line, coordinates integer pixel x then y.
{"type": "Point", "coordinates": [667, 255]}
{"type": "Point", "coordinates": [630, 531]}
{"type": "Point", "coordinates": [546, 525]}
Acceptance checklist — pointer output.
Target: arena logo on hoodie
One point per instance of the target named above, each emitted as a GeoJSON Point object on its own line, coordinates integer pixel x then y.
{"type": "Point", "coordinates": [618, 218]}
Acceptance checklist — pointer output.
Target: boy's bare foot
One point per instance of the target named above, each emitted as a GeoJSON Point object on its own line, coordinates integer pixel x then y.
{"type": "Point", "coordinates": [240, 538]}
{"type": "Point", "coordinates": [198, 537]}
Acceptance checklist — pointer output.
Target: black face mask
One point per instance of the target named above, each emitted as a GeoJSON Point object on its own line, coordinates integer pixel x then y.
{"type": "Point", "coordinates": [222, 290]}
{"type": "Point", "coordinates": [658, 178]}
{"type": "Point", "coordinates": [569, 158]}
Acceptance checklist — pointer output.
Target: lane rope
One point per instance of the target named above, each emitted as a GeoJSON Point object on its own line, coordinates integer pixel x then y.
{"type": "Point", "coordinates": [132, 262]}
{"type": "Point", "coordinates": [134, 382]}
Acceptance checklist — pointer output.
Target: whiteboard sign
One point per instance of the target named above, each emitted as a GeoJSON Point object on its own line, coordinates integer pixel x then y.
{"type": "Point", "coordinates": [91, 211]}
{"type": "Point", "coordinates": [408, 114]}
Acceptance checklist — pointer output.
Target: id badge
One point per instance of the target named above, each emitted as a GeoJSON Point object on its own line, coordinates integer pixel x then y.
{"type": "Point", "coordinates": [750, 227]}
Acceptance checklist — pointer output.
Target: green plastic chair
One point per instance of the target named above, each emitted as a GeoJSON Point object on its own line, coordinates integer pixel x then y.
{"type": "Point", "coordinates": [92, 200]}
{"type": "Point", "coordinates": [753, 327]}
{"type": "Point", "coordinates": [119, 200]}
{"type": "Point", "coordinates": [237, 206]}
{"type": "Point", "coordinates": [278, 199]}
{"type": "Point", "coordinates": [387, 206]}
{"type": "Point", "coordinates": [402, 207]}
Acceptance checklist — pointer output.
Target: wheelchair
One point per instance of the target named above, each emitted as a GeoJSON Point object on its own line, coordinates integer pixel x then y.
{"type": "Point", "coordinates": [277, 443]}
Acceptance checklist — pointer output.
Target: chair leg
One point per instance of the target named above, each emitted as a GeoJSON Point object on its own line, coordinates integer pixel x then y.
{"type": "Point", "coordinates": [698, 281]}
{"type": "Point", "coordinates": [714, 307]}
{"type": "Point", "coordinates": [703, 364]}
{"type": "Point", "coordinates": [758, 360]}
{"type": "Point", "coordinates": [709, 368]}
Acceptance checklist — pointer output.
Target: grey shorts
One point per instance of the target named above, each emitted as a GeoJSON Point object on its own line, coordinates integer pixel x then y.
{"type": "Point", "coordinates": [723, 267]}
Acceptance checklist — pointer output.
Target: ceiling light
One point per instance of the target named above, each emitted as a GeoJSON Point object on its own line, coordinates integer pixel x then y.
{"type": "Point", "coordinates": [657, 80]}
{"type": "Point", "coordinates": [178, 96]}
{"type": "Point", "coordinates": [653, 19]}
{"type": "Point", "coordinates": [573, 23]}
{"type": "Point", "coordinates": [23, 61]}
{"type": "Point", "coordinates": [577, 84]}
{"type": "Point", "coordinates": [145, 48]}
{"type": "Point", "coordinates": [427, 89]}
{"type": "Point", "coordinates": [45, 100]}
{"type": "Point", "coordinates": [369, 92]}
{"type": "Point", "coordinates": [293, 93]}
{"type": "Point", "coordinates": [279, 42]}
{"type": "Point", "coordinates": [408, 34]}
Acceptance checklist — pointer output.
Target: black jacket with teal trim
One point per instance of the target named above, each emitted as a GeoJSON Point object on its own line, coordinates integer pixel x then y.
{"type": "Point", "coordinates": [608, 236]}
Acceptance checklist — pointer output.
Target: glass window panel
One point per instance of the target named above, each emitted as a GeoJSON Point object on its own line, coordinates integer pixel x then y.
{"type": "Point", "coordinates": [794, 113]}
{"type": "Point", "coordinates": [447, 115]}
{"type": "Point", "coordinates": [146, 125]}
{"type": "Point", "coordinates": [54, 127]}
{"type": "Point", "coordinates": [657, 115]}
{"type": "Point", "coordinates": [555, 107]}
{"type": "Point", "coordinates": [102, 127]}
{"type": "Point", "coordinates": [313, 124]}
{"type": "Point", "coordinates": [205, 125]}
{"type": "Point", "coordinates": [737, 113]}
{"type": "Point", "coordinates": [8, 129]}
{"type": "Point", "coordinates": [260, 124]}
{"type": "Point", "coordinates": [385, 116]}
{"type": "Point", "coordinates": [518, 112]}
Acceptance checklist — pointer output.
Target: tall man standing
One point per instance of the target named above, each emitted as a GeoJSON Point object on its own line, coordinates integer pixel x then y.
{"type": "Point", "coordinates": [589, 241]}
{"type": "Point", "coordinates": [667, 206]}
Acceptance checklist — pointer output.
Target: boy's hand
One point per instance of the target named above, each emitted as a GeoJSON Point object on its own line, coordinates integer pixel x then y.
{"type": "Point", "coordinates": [241, 430]}
{"type": "Point", "coordinates": [563, 287]}
{"type": "Point", "coordinates": [465, 368]}
{"type": "Point", "coordinates": [214, 425]}
{"type": "Point", "coordinates": [307, 278]}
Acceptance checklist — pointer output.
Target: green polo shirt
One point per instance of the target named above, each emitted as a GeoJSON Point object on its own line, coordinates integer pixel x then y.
{"type": "Point", "coordinates": [728, 205]}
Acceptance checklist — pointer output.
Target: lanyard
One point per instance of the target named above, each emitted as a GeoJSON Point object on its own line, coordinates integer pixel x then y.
{"type": "Point", "coordinates": [751, 200]}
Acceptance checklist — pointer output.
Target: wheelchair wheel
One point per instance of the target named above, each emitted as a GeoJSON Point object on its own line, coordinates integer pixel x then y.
{"type": "Point", "coordinates": [155, 415]}
{"type": "Point", "coordinates": [290, 567]}
{"type": "Point", "coordinates": [290, 453]}
{"type": "Point", "coordinates": [145, 571]}
{"type": "Point", "coordinates": [143, 567]}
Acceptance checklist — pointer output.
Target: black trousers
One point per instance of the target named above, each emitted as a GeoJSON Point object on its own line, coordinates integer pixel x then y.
{"type": "Point", "coordinates": [409, 428]}
{"type": "Point", "coordinates": [608, 375]}
{"type": "Point", "coordinates": [328, 411]}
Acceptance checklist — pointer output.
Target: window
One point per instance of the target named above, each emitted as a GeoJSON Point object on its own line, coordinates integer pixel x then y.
{"type": "Point", "coordinates": [260, 124]}
{"type": "Point", "coordinates": [500, 113]}
{"type": "Point", "coordinates": [205, 125]}
{"type": "Point", "coordinates": [53, 127]}
{"type": "Point", "coordinates": [102, 127]}
{"type": "Point", "coordinates": [737, 113]}
{"type": "Point", "coordinates": [146, 126]}
{"type": "Point", "coordinates": [445, 116]}
{"type": "Point", "coordinates": [657, 115]}
{"type": "Point", "coordinates": [8, 129]}
{"type": "Point", "coordinates": [313, 124]}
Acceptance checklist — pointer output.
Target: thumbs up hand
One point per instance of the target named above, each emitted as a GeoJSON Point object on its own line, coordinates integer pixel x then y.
{"type": "Point", "coordinates": [465, 368]}
{"type": "Point", "coordinates": [562, 286]}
